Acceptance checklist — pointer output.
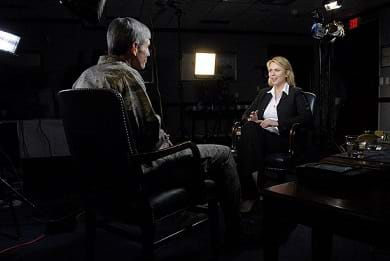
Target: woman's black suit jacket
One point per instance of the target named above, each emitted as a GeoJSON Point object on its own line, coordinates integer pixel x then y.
{"type": "Point", "coordinates": [292, 108]}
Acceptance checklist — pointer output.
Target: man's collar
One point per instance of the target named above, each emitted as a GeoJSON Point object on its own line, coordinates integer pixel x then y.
{"type": "Point", "coordinates": [110, 59]}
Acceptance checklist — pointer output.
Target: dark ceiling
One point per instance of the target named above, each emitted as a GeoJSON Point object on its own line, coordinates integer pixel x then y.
{"type": "Point", "coordinates": [293, 16]}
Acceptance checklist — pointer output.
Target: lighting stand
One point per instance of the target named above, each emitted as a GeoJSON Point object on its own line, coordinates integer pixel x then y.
{"type": "Point", "coordinates": [17, 193]}
{"type": "Point", "coordinates": [182, 128]}
{"type": "Point", "coordinates": [178, 13]}
{"type": "Point", "coordinates": [327, 95]}
{"type": "Point", "coordinates": [326, 33]}
{"type": "Point", "coordinates": [7, 200]}
{"type": "Point", "coordinates": [8, 191]}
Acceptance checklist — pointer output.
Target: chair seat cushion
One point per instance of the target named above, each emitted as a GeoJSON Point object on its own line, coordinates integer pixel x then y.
{"type": "Point", "coordinates": [278, 160]}
{"type": "Point", "coordinates": [122, 205]}
{"type": "Point", "coordinates": [170, 201]}
{"type": "Point", "coordinates": [165, 202]}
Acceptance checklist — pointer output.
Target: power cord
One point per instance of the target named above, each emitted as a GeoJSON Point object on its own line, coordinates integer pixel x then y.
{"type": "Point", "coordinates": [39, 238]}
{"type": "Point", "coordinates": [53, 226]}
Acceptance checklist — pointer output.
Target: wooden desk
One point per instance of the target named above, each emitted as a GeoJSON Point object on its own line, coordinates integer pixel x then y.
{"type": "Point", "coordinates": [375, 160]}
{"type": "Point", "coordinates": [362, 215]}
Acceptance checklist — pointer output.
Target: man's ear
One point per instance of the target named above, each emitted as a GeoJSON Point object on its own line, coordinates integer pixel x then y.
{"type": "Point", "coordinates": [134, 48]}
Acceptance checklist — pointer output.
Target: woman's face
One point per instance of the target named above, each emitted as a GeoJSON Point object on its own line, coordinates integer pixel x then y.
{"type": "Point", "coordinates": [277, 75]}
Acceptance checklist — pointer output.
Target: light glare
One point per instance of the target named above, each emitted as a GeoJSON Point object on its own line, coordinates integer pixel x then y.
{"type": "Point", "coordinates": [332, 5]}
{"type": "Point", "coordinates": [205, 63]}
{"type": "Point", "coordinates": [8, 42]}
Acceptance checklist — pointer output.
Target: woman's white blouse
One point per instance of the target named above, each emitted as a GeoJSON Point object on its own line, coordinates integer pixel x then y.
{"type": "Point", "coordinates": [270, 111]}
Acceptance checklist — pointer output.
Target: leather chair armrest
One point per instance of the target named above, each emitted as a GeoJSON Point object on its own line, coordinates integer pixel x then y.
{"type": "Point", "coordinates": [192, 178]}
{"type": "Point", "coordinates": [291, 140]}
{"type": "Point", "coordinates": [154, 155]}
{"type": "Point", "coordinates": [237, 124]}
{"type": "Point", "coordinates": [295, 129]}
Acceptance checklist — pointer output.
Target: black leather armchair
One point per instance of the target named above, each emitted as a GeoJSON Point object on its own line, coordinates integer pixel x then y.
{"type": "Point", "coordinates": [115, 184]}
{"type": "Point", "coordinates": [277, 165]}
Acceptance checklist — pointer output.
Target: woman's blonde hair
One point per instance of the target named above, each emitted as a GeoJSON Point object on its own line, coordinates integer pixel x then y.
{"type": "Point", "coordinates": [285, 64]}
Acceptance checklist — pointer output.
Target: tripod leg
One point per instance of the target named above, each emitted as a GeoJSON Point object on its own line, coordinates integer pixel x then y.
{"type": "Point", "coordinates": [15, 218]}
{"type": "Point", "coordinates": [23, 198]}
{"type": "Point", "coordinates": [11, 207]}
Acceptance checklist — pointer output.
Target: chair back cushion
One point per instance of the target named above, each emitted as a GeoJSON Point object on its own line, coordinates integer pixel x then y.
{"type": "Point", "coordinates": [96, 127]}
{"type": "Point", "coordinates": [302, 142]}
{"type": "Point", "coordinates": [100, 140]}
{"type": "Point", "coordinates": [311, 98]}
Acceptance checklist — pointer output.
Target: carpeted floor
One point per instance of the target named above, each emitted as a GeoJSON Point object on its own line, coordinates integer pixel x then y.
{"type": "Point", "coordinates": [193, 246]}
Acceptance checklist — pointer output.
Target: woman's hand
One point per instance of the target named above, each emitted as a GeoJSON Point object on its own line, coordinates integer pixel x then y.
{"type": "Point", "coordinates": [253, 117]}
{"type": "Point", "coordinates": [263, 123]}
{"type": "Point", "coordinates": [268, 123]}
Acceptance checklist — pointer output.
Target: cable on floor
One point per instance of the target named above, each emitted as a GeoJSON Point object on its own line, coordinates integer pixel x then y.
{"type": "Point", "coordinates": [40, 237]}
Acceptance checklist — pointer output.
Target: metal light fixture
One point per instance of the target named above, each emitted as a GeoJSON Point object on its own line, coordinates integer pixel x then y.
{"type": "Point", "coordinates": [318, 31]}
{"type": "Point", "coordinates": [332, 4]}
{"type": "Point", "coordinates": [90, 10]}
{"type": "Point", "coordinates": [321, 29]}
{"type": "Point", "coordinates": [8, 42]}
{"type": "Point", "coordinates": [333, 30]}
{"type": "Point", "coordinates": [205, 64]}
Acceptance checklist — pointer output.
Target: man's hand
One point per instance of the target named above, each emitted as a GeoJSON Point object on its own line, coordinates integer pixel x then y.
{"type": "Point", "coordinates": [164, 141]}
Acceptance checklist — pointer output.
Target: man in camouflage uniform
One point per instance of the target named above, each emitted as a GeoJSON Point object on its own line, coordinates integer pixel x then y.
{"type": "Point", "coordinates": [128, 43]}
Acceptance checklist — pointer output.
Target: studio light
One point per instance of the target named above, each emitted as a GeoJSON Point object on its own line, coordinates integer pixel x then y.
{"type": "Point", "coordinates": [332, 4]}
{"type": "Point", "coordinates": [205, 64]}
{"type": "Point", "coordinates": [333, 30]}
{"type": "Point", "coordinates": [8, 42]}
{"type": "Point", "coordinates": [318, 31]}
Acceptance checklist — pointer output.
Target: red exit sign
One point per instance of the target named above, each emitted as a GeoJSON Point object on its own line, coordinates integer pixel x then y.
{"type": "Point", "coordinates": [353, 23]}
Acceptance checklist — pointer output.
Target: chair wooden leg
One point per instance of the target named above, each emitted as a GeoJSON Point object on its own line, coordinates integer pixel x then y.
{"type": "Point", "coordinates": [90, 231]}
{"type": "Point", "coordinates": [261, 182]}
{"type": "Point", "coordinates": [148, 234]}
{"type": "Point", "coordinates": [214, 227]}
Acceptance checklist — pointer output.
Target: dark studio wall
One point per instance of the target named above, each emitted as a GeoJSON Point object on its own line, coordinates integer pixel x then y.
{"type": "Point", "coordinates": [54, 52]}
{"type": "Point", "coordinates": [356, 80]}
{"type": "Point", "coordinates": [384, 71]}
{"type": "Point", "coordinates": [251, 51]}
{"type": "Point", "coordinates": [50, 56]}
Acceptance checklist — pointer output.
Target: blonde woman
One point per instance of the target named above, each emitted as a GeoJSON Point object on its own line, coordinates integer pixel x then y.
{"type": "Point", "coordinates": [267, 124]}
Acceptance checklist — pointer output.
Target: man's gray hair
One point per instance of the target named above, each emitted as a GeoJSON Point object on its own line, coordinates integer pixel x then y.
{"type": "Point", "coordinates": [123, 32]}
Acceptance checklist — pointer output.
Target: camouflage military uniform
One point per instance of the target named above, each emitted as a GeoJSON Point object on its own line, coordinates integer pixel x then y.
{"type": "Point", "coordinates": [110, 72]}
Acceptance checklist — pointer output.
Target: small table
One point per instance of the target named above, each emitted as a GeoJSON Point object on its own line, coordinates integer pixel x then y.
{"type": "Point", "coordinates": [362, 215]}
